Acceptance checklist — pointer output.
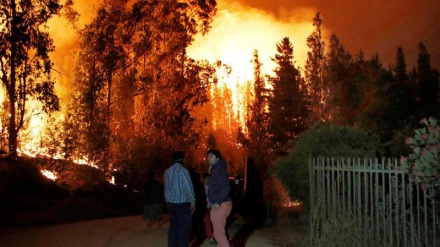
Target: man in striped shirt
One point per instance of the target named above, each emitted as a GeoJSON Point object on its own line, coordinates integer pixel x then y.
{"type": "Point", "coordinates": [179, 195]}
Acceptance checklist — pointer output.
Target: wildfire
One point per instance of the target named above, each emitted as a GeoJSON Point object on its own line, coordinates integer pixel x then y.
{"type": "Point", "coordinates": [236, 32]}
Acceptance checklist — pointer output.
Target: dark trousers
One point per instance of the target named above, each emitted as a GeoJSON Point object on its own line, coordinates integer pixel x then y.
{"type": "Point", "coordinates": [180, 224]}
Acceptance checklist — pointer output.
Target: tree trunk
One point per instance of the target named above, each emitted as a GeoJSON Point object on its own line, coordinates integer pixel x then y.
{"type": "Point", "coordinates": [11, 90]}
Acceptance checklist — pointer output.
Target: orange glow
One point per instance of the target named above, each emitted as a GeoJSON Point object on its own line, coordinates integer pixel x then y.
{"type": "Point", "coordinates": [236, 32]}
{"type": "Point", "coordinates": [49, 174]}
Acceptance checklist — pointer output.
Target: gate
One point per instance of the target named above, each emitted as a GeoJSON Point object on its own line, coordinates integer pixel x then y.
{"type": "Point", "coordinates": [377, 196]}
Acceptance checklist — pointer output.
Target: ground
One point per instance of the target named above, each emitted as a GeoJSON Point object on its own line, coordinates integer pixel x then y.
{"type": "Point", "coordinates": [132, 232]}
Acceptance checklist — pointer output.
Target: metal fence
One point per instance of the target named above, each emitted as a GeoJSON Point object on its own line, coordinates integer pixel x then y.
{"type": "Point", "coordinates": [377, 195]}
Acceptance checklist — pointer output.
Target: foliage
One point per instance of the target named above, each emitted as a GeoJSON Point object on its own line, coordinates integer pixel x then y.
{"type": "Point", "coordinates": [25, 66]}
{"type": "Point", "coordinates": [256, 138]}
{"type": "Point", "coordinates": [287, 104]}
{"type": "Point", "coordinates": [341, 231]}
{"type": "Point", "coordinates": [428, 84]}
{"type": "Point", "coordinates": [314, 70]}
{"type": "Point", "coordinates": [320, 141]}
{"type": "Point", "coordinates": [423, 164]}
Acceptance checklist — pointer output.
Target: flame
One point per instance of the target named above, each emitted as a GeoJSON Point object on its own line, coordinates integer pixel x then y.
{"type": "Point", "coordinates": [49, 174]}
{"type": "Point", "coordinates": [236, 32]}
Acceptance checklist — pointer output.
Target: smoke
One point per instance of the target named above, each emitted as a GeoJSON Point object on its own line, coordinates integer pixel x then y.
{"type": "Point", "coordinates": [66, 41]}
{"type": "Point", "coordinates": [238, 30]}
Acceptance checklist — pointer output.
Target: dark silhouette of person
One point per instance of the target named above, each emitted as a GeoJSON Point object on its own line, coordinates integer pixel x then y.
{"type": "Point", "coordinates": [153, 201]}
{"type": "Point", "coordinates": [197, 232]}
{"type": "Point", "coordinates": [252, 205]}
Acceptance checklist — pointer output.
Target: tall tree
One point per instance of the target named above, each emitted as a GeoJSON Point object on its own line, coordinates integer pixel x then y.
{"type": "Point", "coordinates": [25, 66]}
{"type": "Point", "coordinates": [288, 109]}
{"type": "Point", "coordinates": [256, 138]}
{"type": "Point", "coordinates": [170, 84]}
{"type": "Point", "coordinates": [100, 57]}
{"type": "Point", "coordinates": [400, 95]}
{"type": "Point", "coordinates": [340, 84]}
{"type": "Point", "coordinates": [428, 84]}
{"type": "Point", "coordinates": [314, 71]}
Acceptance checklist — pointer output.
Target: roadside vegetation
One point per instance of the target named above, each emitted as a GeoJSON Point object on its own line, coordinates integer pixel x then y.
{"type": "Point", "coordinates": [28, 199]}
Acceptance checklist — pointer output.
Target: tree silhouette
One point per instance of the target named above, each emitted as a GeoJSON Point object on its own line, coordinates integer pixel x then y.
{"type": "Point", "coordinates": [314, 71]}
{"type": "Point", "coordinates": [25, 66]}
{"type": "Point", "coordinates": [287, 105]}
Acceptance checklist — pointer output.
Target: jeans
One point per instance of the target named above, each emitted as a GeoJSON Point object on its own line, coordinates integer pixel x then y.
{"type": "Point", "coordinates": [180, 224]}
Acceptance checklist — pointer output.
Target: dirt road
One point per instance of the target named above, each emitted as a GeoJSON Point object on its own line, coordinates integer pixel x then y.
{"type": "Point", "coordinates": [116, 232]}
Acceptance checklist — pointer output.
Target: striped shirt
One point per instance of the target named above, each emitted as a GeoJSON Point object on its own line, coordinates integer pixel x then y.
{"type": "Point", "coordinates": [178, 185]}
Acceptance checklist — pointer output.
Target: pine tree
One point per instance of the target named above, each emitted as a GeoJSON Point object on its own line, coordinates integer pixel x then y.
{"type": "Point", "coordinates": [256, 142]}
{"type": "Point", "coordinates": [340, 84]}
{"type": "Point", "coordinates": [288, 110]}
{"type": "Point", "coordinates": [314, 71]}
{"type": "Point", "coordinates": [428, 84]}
{"type": "Point", "coordinates": [401, 94]}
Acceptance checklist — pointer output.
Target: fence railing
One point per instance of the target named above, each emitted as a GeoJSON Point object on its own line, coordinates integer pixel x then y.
{"type": "Point", "coordinates": [378, 196]}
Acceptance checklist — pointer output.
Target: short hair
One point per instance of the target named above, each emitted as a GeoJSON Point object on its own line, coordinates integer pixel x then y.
{"type": "Point", "coordinates": [178, 157]}
{"type": "Point", "coordinates": [215, 152]}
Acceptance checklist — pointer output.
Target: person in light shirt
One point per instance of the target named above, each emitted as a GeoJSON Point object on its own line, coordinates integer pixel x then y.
{"type": "Point", "coordinates": [179, 195]}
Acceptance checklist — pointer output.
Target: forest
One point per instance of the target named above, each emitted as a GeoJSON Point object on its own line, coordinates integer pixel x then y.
{"type": "Point", "coordinates": [136, 95]}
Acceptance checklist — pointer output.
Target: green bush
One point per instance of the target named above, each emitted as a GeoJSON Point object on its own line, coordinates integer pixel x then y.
{"type": "Point", "coordinates": [423, 164]}
{"type": "Point", "coordinates": [320, 141]}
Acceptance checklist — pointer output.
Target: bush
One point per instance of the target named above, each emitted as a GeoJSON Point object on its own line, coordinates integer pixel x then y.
{"type": "Point", "coordinates": [423, 164]}
{"type": "Point", "coordinates": [320, 141]}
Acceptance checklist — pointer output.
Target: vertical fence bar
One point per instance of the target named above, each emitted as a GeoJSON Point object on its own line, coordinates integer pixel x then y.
{"type": "Point", "coordinates": [396, 193]}
{"type": "Point", "coordinates": [338, 187]}
{"type": "Point", "coordinates": [418, 212]}
{"type": "Point", "coordinates": [425, 214]}
{"type": "Point", "coordinates": [435, 221]}
{"type": "Point", "coordinates": [377, 202]}
{"type": "Point", "coordinates": [311, 183]}
{"type": "Point", "coordinates": [344, 188]}
{"type": "Point", "coordinates": [383, 199]}
{"type": "Point", "coordinates": [404, 219]}
{"type": "Point", "coordinates": [366, 203]}
{"type": "Point", "coordinates": [373, 185]}
{"type": "Point", "coordinates": [327, 180]}
{"type": "Point", "coordinates": [333, 185]}
{"type": "Point", "coordinates": [390, 196]}
{"type": "Point", "coordinates": [349, 200]}
{"type": "Point", "coordinates": [359, 191]}
{"type": "Point", "coordinates": [411, 195]}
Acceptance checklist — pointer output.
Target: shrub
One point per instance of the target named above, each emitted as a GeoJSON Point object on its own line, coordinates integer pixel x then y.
{"type": "Point", "coordinates": [423, 164]}
{"type": "Point", "coordinates": [320, 141]}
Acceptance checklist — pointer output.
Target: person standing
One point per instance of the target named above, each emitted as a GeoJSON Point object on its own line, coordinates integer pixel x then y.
{"type": "Point", "coordinates": [218, 196]}
{"type": "Point", "coordinates": [179, 195]}
{"type": "Point", "coordinates": [153, 199]}
{"type": "Point", "coordinates": [207, 218]}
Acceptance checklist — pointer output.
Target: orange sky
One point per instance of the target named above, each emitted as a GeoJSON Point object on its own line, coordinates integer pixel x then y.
{"type": "Point", "coordinates": [373, 25]}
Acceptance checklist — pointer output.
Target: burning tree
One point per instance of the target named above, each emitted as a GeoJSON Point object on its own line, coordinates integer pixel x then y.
{"type": "Point", "coordinates": [135, 86]}
{"type": "Point", "coordinates": [25, 66]}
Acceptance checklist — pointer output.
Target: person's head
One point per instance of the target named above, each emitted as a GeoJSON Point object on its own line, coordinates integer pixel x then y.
{"type": "Point", "coordinates": [178, 157]}
{"type": "Point", "coordinates": [214, 155]}
{"type": "Point", "coordinates": [150, 175]}
{"type": "Point", "coordinates": [206, 177]}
